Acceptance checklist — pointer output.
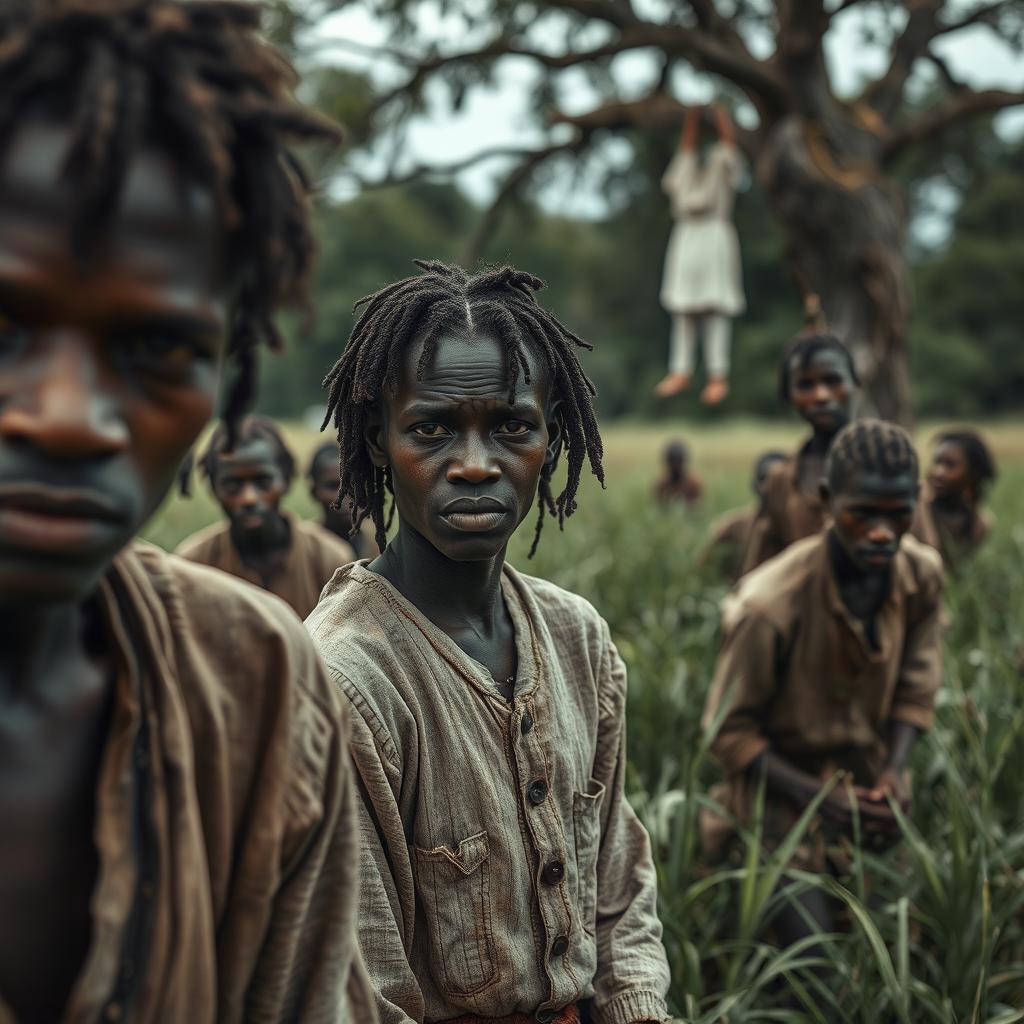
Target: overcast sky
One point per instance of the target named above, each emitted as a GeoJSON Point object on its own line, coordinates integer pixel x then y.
{"type": "Point", "coordinates": [501, 115]}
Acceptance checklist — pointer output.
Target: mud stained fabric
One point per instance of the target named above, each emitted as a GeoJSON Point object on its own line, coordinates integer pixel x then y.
{"type": "Point", "coordinates": [312, 558]}
{"type": "Point", "coordinates": [702, 264]}
{"type": "Point", "coordinates": [797, 672]}
{"type": "Point", "coordinates": [927, 529]}
{"type": "Point", "coordinates": [788, 514]}
{"type": "Point", "coordinates": [725, 549]}
{"type": "Point", "coordinates": [225, 821]}
{"type": "Point", "coordinates": [503, 870]}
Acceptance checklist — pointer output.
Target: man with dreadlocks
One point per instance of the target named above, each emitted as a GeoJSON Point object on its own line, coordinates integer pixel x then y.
{"type": "Point", "coordinates": [951, 516]}
{"type": "Point", "coordinates": [178, 830]}
{"type": "Point", "coordinates": [831, 660]}
{"type": "Point", "coordinates": [818, 379]}
{"type": "Point", "coordinates": [504, 875]}
{"type": "Point", "coordinates": [260, 542]}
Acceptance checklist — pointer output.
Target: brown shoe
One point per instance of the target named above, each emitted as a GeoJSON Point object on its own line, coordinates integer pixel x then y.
{"type": "Point", "coordinates": [715, 391]}
{"type": "Point", "coordinates": [672, 385]}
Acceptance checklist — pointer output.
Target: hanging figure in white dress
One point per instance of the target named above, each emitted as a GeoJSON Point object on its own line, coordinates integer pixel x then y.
{"type": "Point", "coordinates": [702, 287]}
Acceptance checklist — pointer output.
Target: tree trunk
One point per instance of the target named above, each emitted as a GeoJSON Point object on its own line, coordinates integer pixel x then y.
{"type": "Point", "coordinates": [845, 225]}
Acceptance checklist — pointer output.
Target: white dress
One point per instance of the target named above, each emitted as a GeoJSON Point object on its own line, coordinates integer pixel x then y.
{"type": "Point", "coordinates": [702, 265]}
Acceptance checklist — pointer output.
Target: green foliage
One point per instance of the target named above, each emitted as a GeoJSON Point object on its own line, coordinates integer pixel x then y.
{"type": "Point", "coordinates": [934, 930]}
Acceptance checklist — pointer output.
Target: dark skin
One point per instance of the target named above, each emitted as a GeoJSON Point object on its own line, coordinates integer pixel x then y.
{"type": "Point", "coordinates": [465, 464]}
{"type": "Point", "coordinates": [955, 490]}
{"type": "Point", "coordinates": [822, 392]}
{"type": "Point", "coordinates": [108, 373]}
{"type": "Point", "coordinates": [249, 484]}
{"type": "Point", "coordinates": [871, 513]}
{"type": "Point", "coordinates": [324, 491]}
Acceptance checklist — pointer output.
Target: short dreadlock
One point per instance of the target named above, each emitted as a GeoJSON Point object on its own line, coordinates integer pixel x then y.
{"type": "Point", "coordinates": [195, 78]}
{"type": "Point", "coordinates": [250, 428]}
{"type": "Point", "coordinates": [802, 349]}
{"type": "Point", "coordinates": [498, 301]}
{"type": "Point", "coordinates": [872, 446]}
{"type": "Point", "coordinates": [980, 461]}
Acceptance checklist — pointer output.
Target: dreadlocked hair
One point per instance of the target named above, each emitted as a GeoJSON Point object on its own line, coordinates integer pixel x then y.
{"type": "Point", "coordinates": [802, 349]}
{"type": "Point", "coordinates": [870, 446]}
{"type": "Point", "coordinates": [250, 428]}
{"type": "Point", "coordinates": [194, 78]}
{"type": "Point", "coordinates": [499, 302]}
{"type": "Point", "coordinates": [980, 459]}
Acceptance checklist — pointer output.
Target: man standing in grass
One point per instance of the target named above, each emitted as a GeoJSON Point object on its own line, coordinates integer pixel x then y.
{"type": "Point", "coordinates": [260, 542]}
{"type": "Point", "coordinates": [177, 829]}
{"type": "Point", "coordinates": [831, 661]}
{"type": "Point", "coordinates": [504, 875]}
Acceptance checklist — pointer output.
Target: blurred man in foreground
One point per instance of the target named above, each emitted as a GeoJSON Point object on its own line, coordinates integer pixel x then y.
{"type": "Point", "coordinates": [176, 839]}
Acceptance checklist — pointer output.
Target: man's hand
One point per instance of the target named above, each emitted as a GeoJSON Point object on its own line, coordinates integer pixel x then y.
{"type": "Point", "coordinates": [890, 784]}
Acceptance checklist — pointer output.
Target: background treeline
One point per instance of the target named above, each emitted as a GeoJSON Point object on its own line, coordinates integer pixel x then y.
{"type": "Point", "coordinates": [604, 278]}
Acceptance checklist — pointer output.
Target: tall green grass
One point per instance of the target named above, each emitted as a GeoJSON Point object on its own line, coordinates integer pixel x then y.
{"type": "Point", "coordinates": [932, 931]}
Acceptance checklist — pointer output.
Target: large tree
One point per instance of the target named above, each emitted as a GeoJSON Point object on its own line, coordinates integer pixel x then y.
{"type": "Point", "coordinates": [825, 161]}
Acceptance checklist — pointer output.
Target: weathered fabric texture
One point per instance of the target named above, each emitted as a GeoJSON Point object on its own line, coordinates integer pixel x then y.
{"type": "Point", "coordinates": [225, 814]}
{"type": "Point", "coordinates": [954, 550]}
{"type": "Point", "coordinates": [702, 264]}
{"type": "Point", "coordinates": [313, 556]}
{"type": "Point", "coordinates": [503, 870]}
{"type": "Point", "coordinates": [725, 548]}
{"type": "Point", "coordinates": [570, 1015]}
{"type": "Point", "coordinates": [798, 673]}
{"type": "Point", "coordinates": [787, 514]}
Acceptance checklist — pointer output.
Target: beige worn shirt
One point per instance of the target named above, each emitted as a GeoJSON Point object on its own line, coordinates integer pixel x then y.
{"type": "Point", "coordinates": [788, 513]}
{"type": "Point", "coordinates": [503, 870]}
{"type": "Point", "coordinates": [798, 673]}
{"type": "Point", "coordinates": [225, 820]}
{"type": "Point", "coordinates": [313, 556]}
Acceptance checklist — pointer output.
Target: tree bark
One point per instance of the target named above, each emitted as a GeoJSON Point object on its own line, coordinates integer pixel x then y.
{"type": "Point", "coordinates": [846, 229]}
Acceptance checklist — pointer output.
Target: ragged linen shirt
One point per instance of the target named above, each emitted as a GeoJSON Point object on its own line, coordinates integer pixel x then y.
{"type": "Point", "coordinates": [798, 673]}
{"type": "Point", "coordinates": [503, 870]}
{"type": "Point", "coordinates": [225, 820]}
{"type": "Point", "coordinates": [312, 557]}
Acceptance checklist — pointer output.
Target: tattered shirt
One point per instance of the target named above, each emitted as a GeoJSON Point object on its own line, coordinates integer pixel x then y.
{"type": "Point", "coordinates": [503, 870]}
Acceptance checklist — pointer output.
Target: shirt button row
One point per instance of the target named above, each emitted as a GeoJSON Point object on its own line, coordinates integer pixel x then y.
{"type": "Point", "coordinates": [560, 946]}
{"type": "Point", "coordinates": [527, 723]}
{"type": "Point", "coordinates": [537, 791]}
{"type": "Point", "coordinates": [554, 872]}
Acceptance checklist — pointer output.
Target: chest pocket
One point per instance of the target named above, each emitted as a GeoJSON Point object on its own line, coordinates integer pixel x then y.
{"type": "Point", "coordinates": [454, 890]}
{"type": "Point", "coordinates": [586, 822]}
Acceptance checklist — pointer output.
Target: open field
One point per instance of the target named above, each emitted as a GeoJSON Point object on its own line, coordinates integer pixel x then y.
{"type": "Point", "coordinates": [936, 928]}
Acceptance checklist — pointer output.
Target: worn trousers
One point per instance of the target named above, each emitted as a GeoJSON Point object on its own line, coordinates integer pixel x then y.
{"type": "Point", "coordinates": [717, 330]}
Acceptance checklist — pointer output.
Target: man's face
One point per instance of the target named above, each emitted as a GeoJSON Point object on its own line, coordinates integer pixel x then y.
{"type": "Point", "coordinates": [249, 484]}
{"type": "Point", "coordinates": [108, 372]}
{"type": "Point", "coordinates": [871, 514]}
{"type": "Point", "coordinates": [761, 472]}
{"type": "Point", "coordinates": [465, 462]}
{"type": "Point", "coordinates": [950, 473]}
{"type": "Point", "coordinates": [821, 391]}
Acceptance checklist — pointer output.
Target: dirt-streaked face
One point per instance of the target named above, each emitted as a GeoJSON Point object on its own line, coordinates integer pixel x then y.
{"type": "Point", "coordinates": [871, 513]}
{"type": "Point", "coordinates": [821, 391]}
{"type": "Point", "coordinates": [465, 461]}
{"type": "Point", "coordinates": [249, 484]}
{"type": "Point", "coordinates": [108, 372]}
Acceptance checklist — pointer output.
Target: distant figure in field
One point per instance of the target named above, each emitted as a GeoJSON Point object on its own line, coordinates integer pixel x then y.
{"type": "Point", "coordinates": [817, 378]}
{"type": "Point", "coordinates": [324, 480]}
{"type": "Point", "coordinates": [701, 286]}
{"type": "Point", "coordinates": [951, 517]}
{"type": "Point", "coordinates": [678, 483]}
{"type": "Point", "coordinates": [261, 542]}
{"type": "Point", "coordinates": [832, 658]}
{"type": "Point", "coordinates": [726, 545]}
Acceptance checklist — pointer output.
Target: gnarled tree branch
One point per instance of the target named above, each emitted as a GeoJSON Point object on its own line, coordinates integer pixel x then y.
{"type": "Point", "coordinates": [949, 112]}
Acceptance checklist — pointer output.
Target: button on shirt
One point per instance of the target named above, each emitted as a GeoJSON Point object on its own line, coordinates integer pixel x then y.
{"type": "Point", "coordinates": [503, 870]}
